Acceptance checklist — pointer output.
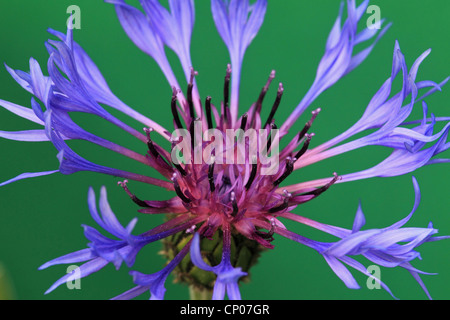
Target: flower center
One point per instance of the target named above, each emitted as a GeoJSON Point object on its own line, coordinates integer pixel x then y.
{"type": "Point", "coordinates": [230, 173]}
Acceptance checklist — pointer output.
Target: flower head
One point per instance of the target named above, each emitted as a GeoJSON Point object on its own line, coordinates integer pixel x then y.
{"type": "Point", "coordinates": [227, 168]}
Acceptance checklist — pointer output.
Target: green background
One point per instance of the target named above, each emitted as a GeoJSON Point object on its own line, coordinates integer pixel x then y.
{"type": "Point", "coordinates": [41, 218]}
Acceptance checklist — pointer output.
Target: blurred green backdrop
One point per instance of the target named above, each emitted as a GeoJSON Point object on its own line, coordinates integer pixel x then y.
{"type": "Point", "coordinates": [41, 218]}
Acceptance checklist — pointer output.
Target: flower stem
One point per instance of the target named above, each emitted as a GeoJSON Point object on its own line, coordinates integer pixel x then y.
{"type": "Point", "coordinates": [196, 293]}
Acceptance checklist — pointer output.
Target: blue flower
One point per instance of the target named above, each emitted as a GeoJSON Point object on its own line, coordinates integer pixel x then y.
{"type": "Point", "coordinates": [227, 275]}
{"type": "Point", "coordinates": [103, 250]}
{"type": "Point", "coordinates": [153, 282]}
{"type": "Point", "coordinates": [392, 246]}
{"type": "Point", "coordinates": [233, 201]}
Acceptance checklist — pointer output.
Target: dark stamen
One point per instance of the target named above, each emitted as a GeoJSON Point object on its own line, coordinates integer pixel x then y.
{"type": "Point", "coordinates": [252, 176]}
{"type": "Point", "coordinates": [208, 112]}
{"type": "Point", "coordinates": [139, 202]}
{"type": "Point", "coordinates": [155, 153]}
{"type": "Point", "coordinates": [241, 132]}
{"type": "Point", "coordinates": [282, 206]}
{"type": "Point", "coordinates": [226, 114]}
{"type": "Point", "coordinates": [305, 146]}
{"type": "Point", "coordinates": [308, 124]}
{"type": "Point", "coordinates": [234, 204]}
{"type": "Point", "coordinates": [212, 186]}
{"type": "Point", "coordinates": [226, 92]}
{"type": "Point", "coordinates": [273, 126]}
{"type": "Point", "coordinates": [189, 93]}
{"type": "Point", "coordinates": [180, 169]}
{"type": "Point", "coordinates": [288, 170]}
{"type": "Point", "coordinates": [321, 190]}
{"type": "Point", "coordinates": [275, 105]}
{"type": "Point", "coordinates": [192, 132]}
{"type": "Point", "coordinates": [176, 164]}
{"type": "Point", "coordinates": [135, 199]}
{"type": "Point", "coordinates": [264, 90]}
{"type": "Point", "coordinates": [176, 117]}
{"type": "Point", "coordinates": [189, 100]}
{"type": "Point", "coordinates": [150, 144]}
{"type": "Point", "coordinates": [244, 121]}
{"type": "Point", "coordinates": [226, 181]}
{"type": "Point", "coordinates": [178, 191]}
{"type": "Point", "coordinates": [180, 194]}
{"type": "Point", "coordinates": [268, 235]}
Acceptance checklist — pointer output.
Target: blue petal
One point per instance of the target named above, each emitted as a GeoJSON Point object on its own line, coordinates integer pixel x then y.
{"type": "Point", "coordinates": [97, 239]}
{"type": "Point", "coordinates": [402, 161]}
{"type": "Point", "coordinates": [358, 266]}
{"type": "Point", "coordinates": [334, 35]}
{"type": "Point", "coordinates": [219, 291]}
{"type": "Point", "coordinates": [361, 56]}
{"type": "Point", "coordinates": [359, 219]}
{"type": "Point", "coordinates": [112, 224]}
{"type": "Point", "coordinates": [174, 27]}
{"type": "Point", "coordinates": [417, 198]}
{"type": "Point", "coordinates": [196, 255]}
{"type": "Point", "coordinates": [237, 23]}
{"type": "Point", "coordinates": [22, 78]}
{"type": "Point", "coordinates": [93, 208]}
{"type": "Point", "coordinates": [132, 293]}
{"type": "Point", "coordinates": [389, 238]}
{"type": "Point", "coordinates": [230, 275]}
{"type": "Point", "coordinates": [420, 282]}
{"type": "Point", "coordinates": [233, 291]}
{"type": "Point", "coordinates": [89, 72]}
{"type": "Point", "coordinates": [74, 257]}
{"type": "Point", "coordinates": [27, 175]}
{"type": "Point", "coordinates": [23, 112]}
{"type": "Point", "coordinates": [341, 271]}
{"type": "Point", "coordinates": [155, 282]}
{"type": "Point", "coordinates": [84, 270]}
{"type": "Point", "coordinates": [351, 244]}
{"type": "Point", "coordinates": [138, 29]}
{"type": "Point", "coordinates": [40, 84]}
{"type": "Point", "coordinates": [27, 135]}
{"type": "Point", "coordinates": [255, 21]}
{"type": "Point", "coordinates": [338, 60]}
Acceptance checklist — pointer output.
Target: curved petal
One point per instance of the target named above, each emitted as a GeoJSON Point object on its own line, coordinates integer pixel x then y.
{"type": "Point", "coordinates": [237, 22]}
{"type": "Point", "coordinates": [341, 271]}
{"type": "Point", "coordinates": [27, 175]}
{"type": "Point", "coordinates": [196, 255]}
{"type": "Point", "coordinates": [27, 135]}
{"type": "Point", "coordinates": [83, 271]}
{"type": "Point", "coordinates": [73, 257]}
{"type": "Point", "coordinates": [22, 112]}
